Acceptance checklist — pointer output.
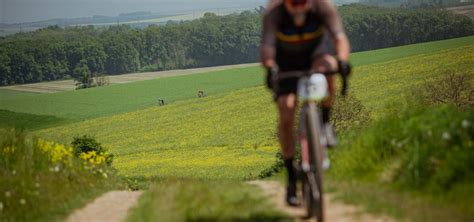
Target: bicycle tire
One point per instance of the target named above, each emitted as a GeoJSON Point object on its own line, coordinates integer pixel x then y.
{"type": "Point", "coordinates": [314, 177]}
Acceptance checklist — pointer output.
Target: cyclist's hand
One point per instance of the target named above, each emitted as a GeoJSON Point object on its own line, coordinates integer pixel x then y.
{"type": "Point", "coordinates": [271, 72]}
{"type": "Point", "coordinates": [345, 67]}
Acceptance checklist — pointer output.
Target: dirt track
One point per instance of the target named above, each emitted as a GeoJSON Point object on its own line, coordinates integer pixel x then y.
{"type": "Point", "coordinates": [114, 206]}
{"type": "Point", "coordinates": [68, 85]}
{"type": "Point", "coordinates": [335, 211]}
{"type": "Point", "coordinates": [467, 10]}
{"type": "Point", "coordinates": [111, 207]}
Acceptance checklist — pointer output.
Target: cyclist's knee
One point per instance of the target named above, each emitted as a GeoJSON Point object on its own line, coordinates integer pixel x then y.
{"type": "Point", "coordinates": [286, 108]}
{"type": "Point", "coordinates": [324, 64]}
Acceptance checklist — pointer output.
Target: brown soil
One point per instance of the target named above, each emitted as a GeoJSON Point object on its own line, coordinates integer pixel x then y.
{"type": "Point", "coordinates": [335, 211]}
{"type": "Point", "coordinates": [467, 10]}
{"type": "Point", "coordinates": [111, 207]}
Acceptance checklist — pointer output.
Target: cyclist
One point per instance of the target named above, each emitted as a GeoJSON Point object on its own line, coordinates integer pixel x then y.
{"type": "Point", "coordinates": [295, 37]}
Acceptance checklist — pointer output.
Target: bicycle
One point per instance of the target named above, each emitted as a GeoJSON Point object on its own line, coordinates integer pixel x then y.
{"type": "Point", "coordinates": [312, 90]}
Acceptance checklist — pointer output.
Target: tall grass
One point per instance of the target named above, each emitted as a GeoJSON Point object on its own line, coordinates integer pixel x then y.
{"type": "Point", "coordinates": [423, 149]}
{"type": "Point", "coordinates": [204, 200]}
{"type": "Point", "coordinates": [43, 181]}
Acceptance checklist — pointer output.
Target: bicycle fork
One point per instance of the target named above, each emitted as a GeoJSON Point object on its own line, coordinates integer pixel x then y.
{"type": "Point", "coordinates": [311, 152]}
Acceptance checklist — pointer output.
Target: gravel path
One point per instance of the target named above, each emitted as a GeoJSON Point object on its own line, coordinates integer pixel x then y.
{"type": "Point", "coordinates": [335, 211]}
{"type": "Point", "coordinates": [110, 207]}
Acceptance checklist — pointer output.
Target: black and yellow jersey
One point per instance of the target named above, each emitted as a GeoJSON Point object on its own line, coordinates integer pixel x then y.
{"type": "Point", "coordinates": [291, 46]}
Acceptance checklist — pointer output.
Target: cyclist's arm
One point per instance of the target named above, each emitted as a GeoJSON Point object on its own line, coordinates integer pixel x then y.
{"type": "Point", "coordinates": [267, 48]}
{"type": "Point", "coordinates": [333, 23]}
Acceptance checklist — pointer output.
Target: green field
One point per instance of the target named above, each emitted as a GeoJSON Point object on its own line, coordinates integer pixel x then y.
{"type": "Point", "coordinates": [232, 135]}
{"type": "Point", "coordinates": [115, 99]}
{"type": "Point", "coordinates": [193, 145]}
{"type": "Point", "coordinates": [225, 136]}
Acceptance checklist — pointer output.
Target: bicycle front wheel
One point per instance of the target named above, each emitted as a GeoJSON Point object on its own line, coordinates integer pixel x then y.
{"type": "Point", "coordinates": [314, 177]}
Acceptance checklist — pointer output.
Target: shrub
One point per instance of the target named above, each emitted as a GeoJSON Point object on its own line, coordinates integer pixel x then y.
{"type": "Point", "coordinates": [88, 148]}
{"type": "Point", "coordinates": [454, 89]}
{"type": "Point", "coordinates": [349, 113]}
{"type": "Point", "coordinates": [274, 168]}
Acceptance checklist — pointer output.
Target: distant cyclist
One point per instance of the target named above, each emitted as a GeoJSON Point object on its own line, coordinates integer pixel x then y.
{"type": "Point", "coordinates": [295, 37]}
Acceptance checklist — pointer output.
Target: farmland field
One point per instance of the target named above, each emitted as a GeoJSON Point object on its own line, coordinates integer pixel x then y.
{"type": "Point", "coordinates": [232, 135]}
{"type": "Point", "coordinates": [69, 85]}
{"type": "Point", "coordinates": [121, 98]}
{"type": "Point", "coordinates": [114, 99]}
{"type": "Point", "coordinates": [182, 139]}
{"type": "Point", "coordinates": [210, 145]}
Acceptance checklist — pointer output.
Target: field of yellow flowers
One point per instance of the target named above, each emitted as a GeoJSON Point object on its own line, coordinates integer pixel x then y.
{"type": "Point", "coordinates": [233, 135]}
{"type": "Point", "coordinates": [226, 136]}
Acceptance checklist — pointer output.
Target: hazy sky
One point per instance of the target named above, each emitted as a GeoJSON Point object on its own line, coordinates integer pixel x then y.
{"type": "Point", "coordinates": [34, 10]}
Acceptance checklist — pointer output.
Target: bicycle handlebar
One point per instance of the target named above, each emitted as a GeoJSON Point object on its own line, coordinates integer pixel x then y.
{"type": "Point", "coordinates": [297, 74]}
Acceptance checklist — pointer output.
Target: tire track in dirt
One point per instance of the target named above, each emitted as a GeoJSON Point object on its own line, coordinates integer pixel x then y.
{"type": "Point", "coordinates": [335, 211]}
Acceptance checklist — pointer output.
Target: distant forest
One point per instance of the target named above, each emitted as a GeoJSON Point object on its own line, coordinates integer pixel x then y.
{"type": "Point", "coordinates": [59, 53]}
{"type": "Point", "coordinates": [415, 3]}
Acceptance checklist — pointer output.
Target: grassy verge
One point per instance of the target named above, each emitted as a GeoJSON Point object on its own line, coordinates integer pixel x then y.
{"type": "Point", "coordinates": [44, 181]}
{"type": "Point", "coordinates": [416, 164]}
{"type": "Point", "coordinates": [402, 205]}
{"type": "Point", "coordinates": [204, 200]}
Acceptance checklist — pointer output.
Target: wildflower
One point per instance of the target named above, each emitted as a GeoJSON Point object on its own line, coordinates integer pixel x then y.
{"type": "Point", "coordinates": [22, 201]}
{"type": "Point", "coordinates": [446, 136]}
{"type": "Point", "coordinates": [8, 194]}
{"type": "Point", "coordinates": [465, 124]}
{"type": "Point", "coordinates": [104, 175]}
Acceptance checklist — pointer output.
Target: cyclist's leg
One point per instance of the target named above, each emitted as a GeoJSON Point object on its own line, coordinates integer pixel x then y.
{"type": "Point", "coordinates": [286, 109]}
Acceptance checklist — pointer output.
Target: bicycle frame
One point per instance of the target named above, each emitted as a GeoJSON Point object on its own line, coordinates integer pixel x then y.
{"type": "Point", "coordinates": [312, 89]}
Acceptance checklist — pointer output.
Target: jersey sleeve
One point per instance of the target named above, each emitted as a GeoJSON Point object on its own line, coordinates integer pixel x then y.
{"type": "Point", "coordinates": [269, 29]}
{"type": "Point", "coordinates": [330, 17]}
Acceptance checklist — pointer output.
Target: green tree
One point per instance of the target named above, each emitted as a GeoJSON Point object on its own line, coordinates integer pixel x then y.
{"type": "Point", "coordinates": [83, 76]}
{"type": "Point", "coordinates": [5, 74]}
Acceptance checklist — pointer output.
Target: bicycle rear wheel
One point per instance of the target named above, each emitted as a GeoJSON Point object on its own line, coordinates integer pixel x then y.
{"type": "Point", "coordinates": [313, 180]}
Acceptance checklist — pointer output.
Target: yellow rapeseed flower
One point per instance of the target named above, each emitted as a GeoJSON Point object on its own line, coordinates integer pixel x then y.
{"type": "Point", "coordinates": [57, 152]}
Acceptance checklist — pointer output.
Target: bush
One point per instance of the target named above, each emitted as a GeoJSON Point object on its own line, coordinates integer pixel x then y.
{"type": "Point", "coordinates": [88, 147]}
{"type": "Point", "coordinates": [275, 168]}
{"type": "Point", "coordinates": [454, 89]}
{"type": "Point", "coordinates": [349, 113]}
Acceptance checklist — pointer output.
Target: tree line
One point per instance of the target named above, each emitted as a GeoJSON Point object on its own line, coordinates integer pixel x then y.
{"type": "Point", "coordinates": [82, 52]}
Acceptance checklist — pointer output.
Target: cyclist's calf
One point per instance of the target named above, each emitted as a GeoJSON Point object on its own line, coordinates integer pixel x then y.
{"type": "Point", "coordinates": [286, 108]}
